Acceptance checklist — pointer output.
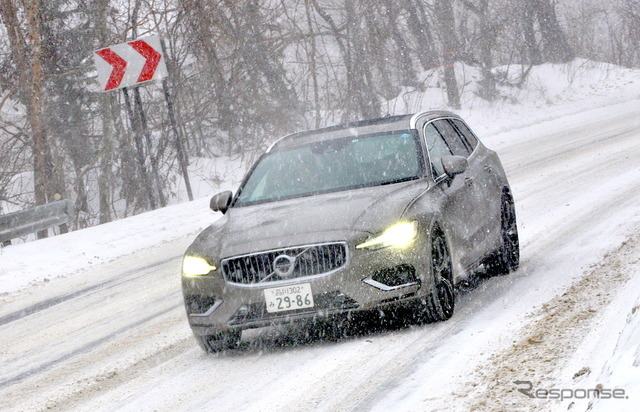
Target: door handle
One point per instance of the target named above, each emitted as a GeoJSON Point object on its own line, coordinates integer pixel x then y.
{"type": "Point", "coordinates": [468, 181]}
{"type": "Point", "coordinates": [488, 169]}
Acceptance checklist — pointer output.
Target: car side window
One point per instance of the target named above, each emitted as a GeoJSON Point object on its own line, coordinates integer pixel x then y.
{"type": "Point", "coordinates": [437, 148]}
{"type": "Point", "coordinates": [454, 140]}
{"type": "Point", "coordinates": [464, 130]}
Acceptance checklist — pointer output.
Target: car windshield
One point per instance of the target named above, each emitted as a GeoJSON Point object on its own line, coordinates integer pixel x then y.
{"type": "Point", "coordinates": [333, 165]}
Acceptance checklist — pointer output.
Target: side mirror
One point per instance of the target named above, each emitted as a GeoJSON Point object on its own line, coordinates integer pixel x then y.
{"type": "Point", "coordinates": [454, 165]}
{"type": "Point", "coordinates": [220, 202]}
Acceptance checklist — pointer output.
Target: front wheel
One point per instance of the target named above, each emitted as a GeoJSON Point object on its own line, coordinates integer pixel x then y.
{"type": "Point", "coordinates": [440, 302]}
{"type": "Point", "coordinates": [219, 342]}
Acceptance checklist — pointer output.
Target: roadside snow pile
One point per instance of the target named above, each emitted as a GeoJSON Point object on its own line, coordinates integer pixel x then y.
{"type": "Point", "coordinates": [623, 368]}
{"type": "Point", "coordinates": [616, 356]}
{"type": "Point", "coordinates": [612, 353]}
{"type": "Point", "coordinates": [608, 357]}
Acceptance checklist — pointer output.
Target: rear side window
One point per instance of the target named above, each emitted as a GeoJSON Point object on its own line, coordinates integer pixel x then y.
{"type": "Point", "coordinates": [437, 149]}
{"type": "Point", "coordinates": [471, 138]}
{"type": "Point", "coordinates": [458, 146]}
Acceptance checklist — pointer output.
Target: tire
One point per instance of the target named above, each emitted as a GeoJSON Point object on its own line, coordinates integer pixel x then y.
{"type": "Point", "coordinates": [507, 258]}
{"type": "Point", "coordinates": [440, 301]}
{"type": "Point", "coordinates": [219, 342]}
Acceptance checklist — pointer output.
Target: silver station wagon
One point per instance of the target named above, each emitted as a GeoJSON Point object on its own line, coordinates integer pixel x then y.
{"type": "Point", "coordinates": [367, 215]}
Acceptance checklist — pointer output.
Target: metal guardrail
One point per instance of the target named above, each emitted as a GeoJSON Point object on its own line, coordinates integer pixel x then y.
{"type": "Point", "coordinates": [39, 218]}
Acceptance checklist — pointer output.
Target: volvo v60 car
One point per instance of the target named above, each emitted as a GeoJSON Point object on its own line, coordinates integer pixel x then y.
{"type": "Point", "coordinates": [368, 215]}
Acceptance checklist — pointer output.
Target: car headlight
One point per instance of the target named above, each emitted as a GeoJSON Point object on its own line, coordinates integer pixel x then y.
{"type": "Point", "coordinates": [196, 266]}
{"type": "Point", "coordinates": [399, 235]}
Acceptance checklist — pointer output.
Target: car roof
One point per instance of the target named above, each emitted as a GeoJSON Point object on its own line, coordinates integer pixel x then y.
{"type": "Point", "coordinates": [363, 127]}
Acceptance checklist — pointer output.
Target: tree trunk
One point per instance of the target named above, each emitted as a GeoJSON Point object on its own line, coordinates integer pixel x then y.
{"type": "Point", "coordinates": [105, 177]}
{"type": "Point", "coordinates": [366, 98]}
{"type": "Point", "coordinates": [409, 77]}
{"type": "Point", "coordinates": [269, 64]}
{"type": "Point", "coordinates": [377, 34]}
{"type": "Point", "coordinates": [42, 163]}
{"type": "Point", "coordinates": [313, 67]}
{"type": "Point", "coordinates": [348, 106]}
{"type": "Point", "coordinates": [28, 57]}
{"type": "Point", "coordinates": [556, 44]}
{"type": "Point", "coordinates": [487, 39]}
{"type": "Point", "coordinates": [447, 29]}
{"type": "Point", "coordinates": [529, 32]}
{"type": "Point", "coordinates": [421, 31]}
{"type": "Point", "coordinates": [201, 27]}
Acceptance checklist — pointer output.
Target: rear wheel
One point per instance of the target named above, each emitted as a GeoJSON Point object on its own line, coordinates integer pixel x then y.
{"type": "Point", "coordinates": [219, 342]}
{"type": "Point", "coordinates": [440, 302]}
{"type": "Point", "coordinates": [507, 258]}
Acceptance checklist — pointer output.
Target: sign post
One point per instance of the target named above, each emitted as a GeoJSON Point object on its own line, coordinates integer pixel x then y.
{"type": "Point", "coordinates": [132, 64]}
{"type": "Point", "coordinates": [139, 149]}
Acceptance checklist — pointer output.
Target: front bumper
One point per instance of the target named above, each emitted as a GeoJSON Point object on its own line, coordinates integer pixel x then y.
{"type": "Point", "coordinates": [369, 279]}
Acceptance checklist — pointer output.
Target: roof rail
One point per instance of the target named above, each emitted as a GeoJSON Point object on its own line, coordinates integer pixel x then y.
{"type": "Point", "coordinates": [414, 119]}
{"type": "Point", "coordinates": [277, 141]}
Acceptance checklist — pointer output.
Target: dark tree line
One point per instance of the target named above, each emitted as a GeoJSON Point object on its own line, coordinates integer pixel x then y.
{"type": "Point", "coordinates": [245, 72]}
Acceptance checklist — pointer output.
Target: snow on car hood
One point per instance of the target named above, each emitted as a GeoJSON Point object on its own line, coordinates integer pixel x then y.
{"type": "Point", "coordinates": [321, 218]}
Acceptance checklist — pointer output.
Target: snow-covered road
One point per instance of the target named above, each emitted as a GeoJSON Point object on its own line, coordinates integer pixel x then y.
{"type": "Point", "coordinates": [115, 336]}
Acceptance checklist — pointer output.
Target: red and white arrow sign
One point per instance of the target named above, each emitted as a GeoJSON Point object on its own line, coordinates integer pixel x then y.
{"type": "Point", "coordinates": [129, 64]}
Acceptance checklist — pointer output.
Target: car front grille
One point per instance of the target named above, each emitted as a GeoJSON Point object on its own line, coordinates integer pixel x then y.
{"type": "Point", "coordinates": [305, 261]}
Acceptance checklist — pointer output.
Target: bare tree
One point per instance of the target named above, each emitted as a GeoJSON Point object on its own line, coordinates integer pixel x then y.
{"type": "Point", "coordinates": [629, 39]}
{"type": "Point", "coordinates": [445, 21]}
{"type": "Point", "coordinates": [554, 42]}
{"type": "Point", "coordinates": [27, 50]}
{"type": "Point", "coordinates": [421, 30]}
{"type": "Point", "coordinates": [529, 32]}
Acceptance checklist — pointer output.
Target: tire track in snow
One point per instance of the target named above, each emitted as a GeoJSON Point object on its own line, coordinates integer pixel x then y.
{"type": "Point", "coordinates": [111, 283]}
{"type": "Point", "coordinates": [83, 349]}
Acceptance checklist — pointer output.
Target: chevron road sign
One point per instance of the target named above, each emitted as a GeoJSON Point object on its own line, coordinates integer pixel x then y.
{"type": "Point", "coordinates": [129, 64]}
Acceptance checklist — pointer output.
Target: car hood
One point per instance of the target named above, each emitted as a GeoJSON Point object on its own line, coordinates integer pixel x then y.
{"type": "Point", "coordinates": [320, 218]}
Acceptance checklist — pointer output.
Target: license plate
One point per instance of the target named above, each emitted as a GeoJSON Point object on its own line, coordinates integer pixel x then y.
{"type": "Point", "coordinates": [288, 298]}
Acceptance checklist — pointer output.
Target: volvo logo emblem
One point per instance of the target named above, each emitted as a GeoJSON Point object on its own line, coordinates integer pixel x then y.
{"type": "Point", "coordinates": [283, 265]}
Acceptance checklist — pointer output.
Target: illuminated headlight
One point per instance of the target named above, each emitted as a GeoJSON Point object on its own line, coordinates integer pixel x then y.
{"type": "Point", "coordinates": [196, 266]}
{"type": "Point", "coordinates": [400, 235]}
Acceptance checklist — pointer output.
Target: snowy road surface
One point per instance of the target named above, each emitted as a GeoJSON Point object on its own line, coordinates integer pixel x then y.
{"type": "Point", "coordinates": [115, 336]}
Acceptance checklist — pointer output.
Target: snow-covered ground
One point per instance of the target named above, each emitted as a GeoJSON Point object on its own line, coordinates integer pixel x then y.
{"type": "Point", "coordinates": [106, 330]}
